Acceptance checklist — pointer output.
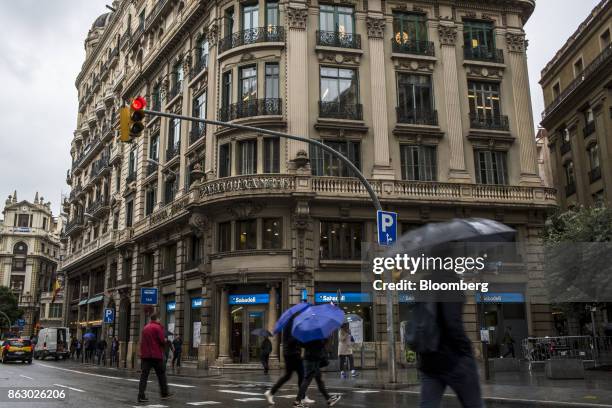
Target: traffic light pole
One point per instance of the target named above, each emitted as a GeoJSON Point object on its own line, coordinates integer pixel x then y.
{"type": "Point", "coordinates": [347, 162]}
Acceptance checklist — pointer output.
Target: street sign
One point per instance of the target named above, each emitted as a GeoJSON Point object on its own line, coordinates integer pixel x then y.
{"type": "Point", "coordinates": [148, 296]}
{"type": "Point", "coordinates": [21, 322]}
{"type": "Point", "coordinates": [386, 222]}
{"type": "Point", "coordinates": [109, 315]}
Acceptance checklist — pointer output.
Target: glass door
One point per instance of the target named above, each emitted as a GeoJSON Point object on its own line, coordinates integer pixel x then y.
{"type": "Point", "coordinates": [237, 333]}
{"type": "Point", "coordinates": [256, 320]}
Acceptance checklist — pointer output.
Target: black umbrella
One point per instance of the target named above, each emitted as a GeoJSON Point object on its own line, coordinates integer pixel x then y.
{"type": "Point", "coordinates": [261, 332]}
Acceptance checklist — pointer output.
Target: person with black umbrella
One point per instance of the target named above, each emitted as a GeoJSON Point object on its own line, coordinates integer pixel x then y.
{"type": "Point", "coordinates": [266, 349]}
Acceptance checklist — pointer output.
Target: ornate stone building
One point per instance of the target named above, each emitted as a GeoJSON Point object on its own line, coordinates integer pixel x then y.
{"type": "Point", "coordinates": [29, 258]}
{"type": "Point", "coordinates": [577, 85]}
{"type": "Point", "coordinates": [429, 99]}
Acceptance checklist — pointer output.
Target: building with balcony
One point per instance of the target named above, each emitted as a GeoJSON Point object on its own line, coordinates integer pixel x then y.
{"type": "Point", "coordinates": [577, 87]}
{"type": "Point", "coordinates": [29, 257]}
{"type": "Point", "coordinates": [429, 100]}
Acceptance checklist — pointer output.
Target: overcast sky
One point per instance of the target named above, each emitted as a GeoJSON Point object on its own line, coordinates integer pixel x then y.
{"type": "Point", "coordinates": [41, 52]}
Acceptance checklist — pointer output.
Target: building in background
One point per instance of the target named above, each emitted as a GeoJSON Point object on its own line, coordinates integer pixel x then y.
{"type": "Point", "coordinates": [544, 157]}
{"type": "Point", "coordinates": [430, 100]}
{"type": "Point", "coordinates": [577, 86]}
{"type": "Point", "coordinates": [29, 257]}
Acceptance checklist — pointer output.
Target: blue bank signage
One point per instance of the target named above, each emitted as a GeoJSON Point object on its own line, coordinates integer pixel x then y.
{"type": "Point", "coordinates": [255, 299]}
{"type": "Point", "coordinates": [171, 306]}
{"type": "Point", "coordinates": [500, 297]}
{"type": "Point", "coordinates": [345, 297]}
{"type": "Point", "coordinates": [196, 302]}
{"type": "Point", "coordinates": [148, 296]}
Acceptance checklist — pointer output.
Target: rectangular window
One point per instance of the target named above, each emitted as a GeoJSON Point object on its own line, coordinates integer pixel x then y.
{"type": "Point", "coordinates": [339, 93]}
{"type": "Point", "coordinates": [248, 84]}
{"type": "Point", "coordinates": [246, 234]}
{"type": "Point", "coordinates": [195, 248]}
{"type": "Point", "coordinates": [484, 101]}
{"type": "Point", "coordinates": [478, 39]}
{"type": "Point", "coordinates": [604, 39]}
{"type": "Point", "coordinates": [156, 98]}
{"type": "Point", "coordinates": [418, 162]}
{"type": "Point", "coordinates": [55, 311]}
{"type": "Point", "coordinates": [169, 255]}
{"type": "Point", "coordinates": [147, 265]}
{"type": "Point", "coordinates": [129, 213]}
{"type": "Point", "coordinates": [570, 176]}
{"type": "Point", "coordinates": [199, 111]}
{"type": "Point", "coordinates": [593, 152]}
{"type": "Point", "coordinates": [341, 240]}
{"type": "Point", "coordinates": [154, 147]}
{"type": "Point", "coordinates": [491, 167]}
{"type": "Point", "coordinates": [174, 133]}
{"type": "Point", "coordinates": [337, 19]}
{"type": "Point", "coordinates": [410, 30]}
{"type": "Point", "coordinates": [225, 236]}
{"type": "Point", "coordinates": [556, 90]}
{"type": "Point", "coordinates": [578, 67]}
{"type": "Point", "coordinates": [132, 163]}
{"type": "Point", "coordinates": [44, 226]}
{"type": "Point", "coordinates": [202, 53]}
{"type": "Point", "coordinates": [229, 21]}
{"type": "Point", "coordinates": [324, 164]}
{"type": "Point", "coordinates": [272, 233]}
{"type": "Point", "coordinates": [19, 264]}
{"type": "Point", "coordinates": [250, 16]}
{"type": "Point", "coordinates": [23, 220]}
{"type": "Point", "coordinates": [227, 90]}
{"type": "Point", "coordinates": [247, 157]}
{"type": "Point", "coordinates": [271, 155]}
{"type": "Point", "coordinates": [272, 81]}
{"type": "Point", "coordinates": [150, 199]}
{"type": "Point", "coordinates": [177, 78]}
{"type": "Point", "coordinates": [169, 190]}
{"type": "Point", "coordinates": [415, 99]}
{"type": "Point", "coordinates": [272, 15]}
{"type": "Point", "coordinates": [225, 160]}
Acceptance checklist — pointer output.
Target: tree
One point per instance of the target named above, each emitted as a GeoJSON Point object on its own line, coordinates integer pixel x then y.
{"type": "Point", "coordinates": [8, 305]}
{"type": "Point", "coordinates": [585, 224]}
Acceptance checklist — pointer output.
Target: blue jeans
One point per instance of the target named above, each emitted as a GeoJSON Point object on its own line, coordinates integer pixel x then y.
{"type": "Point", "coordinates": [463, 379]}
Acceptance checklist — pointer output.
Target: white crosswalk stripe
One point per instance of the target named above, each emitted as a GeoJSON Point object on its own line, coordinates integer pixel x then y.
{"type": "Point", "coordinates": [150, 406]}
{"type": "Point", "coordinates": [240, 392]}
{"type": "Point", "coordinates": [249, 399]}
{"type": "Point", "coordinates": [181, 385]}
{"type": "Point", "coordinates": [70, 388]}
{"type": "Point", "coordinates": [198, 403]}
{"type": "Point", "coordinates": [366, 391]}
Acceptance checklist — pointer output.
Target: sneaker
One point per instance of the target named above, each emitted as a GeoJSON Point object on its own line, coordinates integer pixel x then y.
{"type": "Point", "coordinates": [143, 399]}
{"type": "Point", "coordinates": [342, 374]}
{"type": "Point", "coordinates": [297, 404]}
{"type": "Point", "coordinates": [307, 400]}
{"type": "Point", "coordinates": [269, 397]}
{"type": "Point", "coordinates": [167, 396]}
{"type": "Point", "coordinates": [333, 400]}
{"type": "Point", "coordinates": [354, 373]}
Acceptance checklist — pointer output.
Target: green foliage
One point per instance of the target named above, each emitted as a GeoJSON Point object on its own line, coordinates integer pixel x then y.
{"type": "Point", "coordinates": [8, 305]}
{"type": "Point", "coordinates": [585, 224]}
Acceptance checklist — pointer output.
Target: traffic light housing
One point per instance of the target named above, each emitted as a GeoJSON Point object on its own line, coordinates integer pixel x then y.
{"type": "Point", "coordinates": [131, 120]}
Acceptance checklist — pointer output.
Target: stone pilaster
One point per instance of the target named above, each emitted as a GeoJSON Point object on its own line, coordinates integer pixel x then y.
{"type": "Point", "coordinates": [448, 57]}
{"type": "Point", "coordinates": [212, 95]}
{"type": "Point", "coordinates": [272, 318]}
{"type": "Point", "coordinates": [297, 79]}
{"type": "Point", "coordinates": [523, 118]}
{"type": "Point", "coordinates": [224, 329]}
{"type": "Point", "coordinates": [380, 125]}
{"type": "Point", "coordinates": [179, 294]}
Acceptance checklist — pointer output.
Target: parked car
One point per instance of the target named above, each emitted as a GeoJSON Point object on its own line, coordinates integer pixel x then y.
{"type": "Point", "coordinates": [52, 342]}
{"type": "Point", "coordinates": [16, 349]}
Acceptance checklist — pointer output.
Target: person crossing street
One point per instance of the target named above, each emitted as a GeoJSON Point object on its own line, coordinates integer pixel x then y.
{"type": "Point", "coordinates": [152, 357]}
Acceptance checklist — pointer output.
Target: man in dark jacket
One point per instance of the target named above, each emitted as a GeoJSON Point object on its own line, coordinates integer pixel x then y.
{"type": "Point", "coordinates": [152, 357]}
{"type": "Point", "coordinates": [101, 350]}
{"type": "Point", "coordinates": [266, 349]}
{"type": "Point", "coordinates": [314, 356]}
{"type": "Point", "coordinates": [177, 346]}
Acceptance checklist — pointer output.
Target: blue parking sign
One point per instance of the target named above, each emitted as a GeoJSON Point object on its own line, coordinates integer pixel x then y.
{"type": "Point", "coordinates": [21, 322]}
{"type": "Point", "coordinates": [148, 296]}
{"type": "Point", "coordinates": [109, 315]}
{"type": "Point", "coordinates": [386, 222]}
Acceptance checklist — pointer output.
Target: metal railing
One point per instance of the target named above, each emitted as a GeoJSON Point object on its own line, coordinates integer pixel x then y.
{"type": "Point", "coordinates": [200, 64]}
{"type": "Point", "coordinates": [172, 151]}
{"type": "Point", "coordinates": [585, 348]}
{"type": "Point", "coordinates": [416, 117]}
{"type": "Point", "coordinates": [594, 174]}
{"type": "Point", "coordinates": [74, 224]}
{"type": "Point", "coordinates": [338, 39]}
{"type": "Point", "coordinates": [97, 205]}
{"type": "Point", "coordinates": [197, 131]}
{"type": "Point", "coordinates": [250, 108]}
{"type": "Point", "coordinates": [589, 128]}
{"type": "Point", "coordinates": [130, 177]}
{"type": "Point", "coordinates": [495, 122]}
{"type": "Point", "coordinates": [175, 90]}
{"type": "Point", "coordinates": [413, 47]}
{"type": "Point", "coordinates": [483, 54]}
{"type": "Point", "coordinates": [252, 36]}
{"type": "Point", "coordinates": [151, 168]}
{"type": "Point", "coordinates": [341, 110]}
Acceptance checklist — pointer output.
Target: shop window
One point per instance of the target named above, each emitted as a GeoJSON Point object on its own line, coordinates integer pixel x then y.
{"type": "Point", "coordinates": [246, 234]}
{"type": "Point", "coordinates": [418, 162]}
{"type": "Point", "coordinates": [225, 236]}
{"type": "Point", "coordinates": [491, 167]}
{"type": "Point", "coordinates": [272, 233]}
{"type": "Point", "coordinates": [341, 240]}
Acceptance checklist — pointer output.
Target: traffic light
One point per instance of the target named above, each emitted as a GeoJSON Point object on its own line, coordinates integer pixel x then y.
{"type": "Point", "coordinates": [130, 120]}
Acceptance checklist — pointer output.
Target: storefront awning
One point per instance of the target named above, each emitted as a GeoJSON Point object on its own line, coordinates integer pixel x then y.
{"type": "Point", "coordinates": [95, 299]}
{"type": "Point", "coordinates": [83, 302]}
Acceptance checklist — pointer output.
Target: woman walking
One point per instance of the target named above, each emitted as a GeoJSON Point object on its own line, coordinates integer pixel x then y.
{"type": "Point", "coordinates": [345, 351]}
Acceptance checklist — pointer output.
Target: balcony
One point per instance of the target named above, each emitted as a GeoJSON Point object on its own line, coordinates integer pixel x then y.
{"type": "Point", "coordinates": [252, 36]}
{"type": "Point", "coordinates": [589, 129]}
{"type": "Point", "coordinates": [175, 90]}
{"type": "Point", "coordinates": [167, 271]}
{"type": "Point", "coordinates": [250, 108]}
{"type": "Point", "coordinates": [99, 167]}
{"type": "Point", "coordinates": [151, 168]}
{"type": "Point", "coordinates": [74, 225]}
{"type": "Point", "coordinates": [172, 152]}
{"type": "Point", "coordinates": [494, 122]}
{"type": "Point", "coordinates": [197, 132]}
{"type": "Point", "coordinates": [193, 264]}
{"type": "Point", "coordinates": [565, 147]}
{"type": "Point", "coordinates": [338, 39]}
{"type": "Point", "coordinates": [484, 54]}
{"type": "Point", "coordinates": [595, 174]}
{"type": "Point", "coordinates": [199, 66]}
{"type": "Point", "coordinates": [130, 178]}
{"type": "Point", "coordinates": [570, 189]}
{"type": "Point", "coordinates": [340, 110]}
{"type": "Point", "coordinates": [68, 177]}
{"type": "Point", "coordinates": [413, 47]}
{"type": "Point", "coordinates": [417, 117]}
{"type": "Point", "coordinates": [98, 206]}
{"type": "Point", "coordinates": [144, 277]}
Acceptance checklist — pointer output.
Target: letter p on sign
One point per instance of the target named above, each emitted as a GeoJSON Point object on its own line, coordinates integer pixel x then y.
{"type": "Point", "coordinates": [386, 222]}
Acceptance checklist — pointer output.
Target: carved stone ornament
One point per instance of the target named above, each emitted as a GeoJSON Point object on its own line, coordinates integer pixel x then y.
{"type": "Point", "coordinates": [413, 65]}
{"type": "Point", "coordinates": [484, 72]}
{"type": "Point", "coordinates": [376, 27]}
{"type": "Point", "coordinates": [448, 34]}
{"type": "Point", "coordinates": [212, 35]}
{"type": "Point", "coordinates": [516, 42]}
{"type": "Point", "coordinates": [198, 223]}
{"type": "Point", "coordinates": [187, 65]}
{"type": "Point", "coordinates": [337, 58]}
{"type": "Point", "coordinates": [297, 18]}
{"type": "Point", "coordinates": [245, 209]}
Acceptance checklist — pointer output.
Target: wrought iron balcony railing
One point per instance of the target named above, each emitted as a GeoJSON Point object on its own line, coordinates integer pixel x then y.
{"type": "Point", "coordinates": [130, 178]}
{"type": "Point", "coordinates": [341, 110]}
{"type": "Point", "coordinates": [250, 108]}
{"type": "Point", "coordinates": [589, 129]}
{"type": "Point", "coordinates": [172, 151]}
{"type": "Point", "coordinates": [197, 131]}
{"type": "Point", "coordinates": [175, 90]}
{"type": "Point", "coordinates": [595, 174]}
{"type": "Point", "coordinates": [417, 117]}
{"type": "Point", "coordinates": [151, 168]}
{"type": "Point", "coordinates": [74, 224]}
{"type": "Point", "coordinates": [252, 36]}
{"type": "Point", "coordinates": [338, 39]}
{"type": "Point", "coordinates": [413, 47]}
{"type": "Point", "coordinates": [200, 64]}
{"type": "Point", "coordinates": [494, 122]}
{"type": "Point", "coordinates": [483, 54]}
{"type": "Point", "coordinates": [95, 206]}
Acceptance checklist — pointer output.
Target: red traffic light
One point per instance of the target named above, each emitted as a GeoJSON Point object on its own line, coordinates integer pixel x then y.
{"type": "Point", "coordinates": [139, 103]}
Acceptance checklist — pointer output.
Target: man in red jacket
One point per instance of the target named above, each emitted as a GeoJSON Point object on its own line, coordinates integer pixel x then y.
{"type": "Point", "coordinates": [152, 356]}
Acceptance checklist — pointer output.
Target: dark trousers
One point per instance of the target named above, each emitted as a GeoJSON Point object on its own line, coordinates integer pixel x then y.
{"type": "Point", "coordinates": [176, 358]}
{"type": "Point", "coordinates": [101, 356]}
{"type": "Point", "coordinates": [146, 364]}
{"type": "Point", "coordinates": [462, 378]}
{"type": "Point", "coordinates": [313, 371]}
{"type": "Point", "coordinates": [265, 359]}
{"type": "Point", "coordinates": [346, 362]}
{"type": "Point", "coordinates": [510, 350]}
{"type": "Point", "coordinates": [113, 358]}
{"type": "Point", "coordinates": [292, 364]}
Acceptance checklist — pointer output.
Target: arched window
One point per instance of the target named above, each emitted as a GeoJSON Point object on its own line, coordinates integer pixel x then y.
{"type": "Point", "coordinates": [20, 248]}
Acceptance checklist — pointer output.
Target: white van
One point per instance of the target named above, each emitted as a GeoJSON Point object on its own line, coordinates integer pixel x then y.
{"type": "Point", "coordinates": [54, 342]}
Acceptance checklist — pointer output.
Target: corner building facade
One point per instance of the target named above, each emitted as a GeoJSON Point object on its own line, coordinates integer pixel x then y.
{"type": "Point", "coordinates": [429, 99]}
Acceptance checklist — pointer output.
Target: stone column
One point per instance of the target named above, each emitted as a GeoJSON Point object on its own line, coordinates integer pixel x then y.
{"type": "Point", "coordinates": [179, 291]}
{"type": "Point", "coordinates": [272, 318]}
{"type": "Point", "coordinates": [224, 329]}
{"type": "Point", "coordinates": [380, 126]}
{"type": "Point", "coordinates": [212, 96]}
{"type": "Point", "coordinates": [297, 78]}
{"type": "Point", "coordinates": [454, 124]}
{"type": "Point", "coordinates": [523, 119]}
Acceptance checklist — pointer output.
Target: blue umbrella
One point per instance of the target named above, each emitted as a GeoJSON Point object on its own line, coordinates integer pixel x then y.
{"type": "Point", "coordinates": [317, 323]}
{"type": "Point", "coordinates": [89, 336]}
{"type": "Point", "coordinates": [288, 314]}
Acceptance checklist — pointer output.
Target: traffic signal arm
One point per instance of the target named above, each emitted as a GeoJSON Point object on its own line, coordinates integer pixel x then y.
{"type": "Point", "coordinates": [124, 125]}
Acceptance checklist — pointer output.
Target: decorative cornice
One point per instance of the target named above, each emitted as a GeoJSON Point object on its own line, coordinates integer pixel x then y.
{"type": "Point", "coordinates": [212, 35]}
{"type": "Point", "coordinates": [447, 34]}
{"type": "Point", "coordinates": [297, 18]}
{"type": "Point", "coordinates": [376, 27]}
{"type": "Point", "coordinates": [516, 42]}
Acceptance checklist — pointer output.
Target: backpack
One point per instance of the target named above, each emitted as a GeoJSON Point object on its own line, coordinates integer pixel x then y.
{"type": "Point", "coordinates": [422, 333]}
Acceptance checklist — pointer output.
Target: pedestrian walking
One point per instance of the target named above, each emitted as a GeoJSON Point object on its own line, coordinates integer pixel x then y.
{"type": "Point", "coordinates": [101, 350]}
{"type": "Point", "coordinates": [266, 349]}
{"type": "Point", "coordinates": [79, 346]}
{"type": "Point", "coordinates": [114, 352]}
{"type": "Point", "coordinates": [345, 351]}
{"type": "Point", "coordinates": [315, 358]}
{"type": "Point", "coordinates": [152, 343]}
{"type": "Point", "coordinates": [508, 342]}
{"type": "Point", "coordinates": [73, 342]}
{"type": "Point", "coordinates": [177, 346]}
{"type": "Point", "coordinates": [167, 348]}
